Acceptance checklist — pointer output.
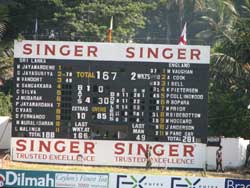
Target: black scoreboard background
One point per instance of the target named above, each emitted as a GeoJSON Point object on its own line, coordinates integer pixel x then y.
{"type": "Point", "coordinates": [80, 99]}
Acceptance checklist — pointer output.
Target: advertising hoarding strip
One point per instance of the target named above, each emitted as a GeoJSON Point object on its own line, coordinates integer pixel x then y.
{"type": "Point", "coordinates": [120, 51]}
{"type": "Point", "coordinates": [50, 179]}
{"type": "Point", "coordinates": [237, 183]}
{"type": "Point", "coordinates": [117, 153]}
{"type": "Point", "coordinates": [55, 179]}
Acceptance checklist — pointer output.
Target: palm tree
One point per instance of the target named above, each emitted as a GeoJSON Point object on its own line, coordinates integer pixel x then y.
{"type": "Point", "coordinates": [3, 21]}
{"type": "Point", "coordinates": [230, 72]}
{"type": "Point", "coordinates": [217, 17]}
{"type": "Point", "coordinates": [231, 53]}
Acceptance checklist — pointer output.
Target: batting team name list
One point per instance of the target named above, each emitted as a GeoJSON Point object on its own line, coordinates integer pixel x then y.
{"type": "Point", "coordinates": [31, 85]}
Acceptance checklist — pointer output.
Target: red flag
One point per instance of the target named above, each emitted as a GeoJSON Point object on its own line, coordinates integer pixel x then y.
{"type": "Point", "coordinates": [183, 37]}
{"type": "Point", "coordinates": [109, 32]}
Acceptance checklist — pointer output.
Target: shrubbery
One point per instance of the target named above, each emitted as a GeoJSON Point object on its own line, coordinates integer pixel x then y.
{"type": "Point", "coordinates": [5, 104]}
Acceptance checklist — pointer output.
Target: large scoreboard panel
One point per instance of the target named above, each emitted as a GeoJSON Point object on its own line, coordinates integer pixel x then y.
{"type": "Point", "coordinates": [77, 90]}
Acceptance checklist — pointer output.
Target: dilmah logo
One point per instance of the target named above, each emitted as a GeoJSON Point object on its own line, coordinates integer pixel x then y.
{"type": "Point", "coordinates": [178, 182]}
{"type": "Point", "coordinates": [2, 179]}
{"type": "Point", "coordinates": [134, 182]}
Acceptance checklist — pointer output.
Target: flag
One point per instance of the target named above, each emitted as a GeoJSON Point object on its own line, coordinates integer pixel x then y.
{"type": "Point", "coordinates": [183, 37]}
{"type": "Point", "coordinates": [36, 26]}
{"type": "Point", "coordinates": [109, 32]}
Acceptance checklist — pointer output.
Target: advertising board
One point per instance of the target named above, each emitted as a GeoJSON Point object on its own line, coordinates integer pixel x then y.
{"type": "Point", "coordinates": [110, 91]}
{"type": "Point", "coordinates": [43, 179]}
{"type": "Point", "coordinates": [154, 181]}
{"type": "Point", "coordinates": [237, 183]}
{"type": "Point", "coordinates": [109, 153]}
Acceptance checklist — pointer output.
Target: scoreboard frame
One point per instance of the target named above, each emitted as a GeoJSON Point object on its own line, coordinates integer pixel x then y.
{"type": "Point", "coordinates": [42, 66]}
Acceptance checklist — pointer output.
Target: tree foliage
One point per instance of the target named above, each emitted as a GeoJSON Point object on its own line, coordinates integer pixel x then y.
{"type": "Point", "coordinates": [3, 21]}
{"type": "Point", "coordinates": [166, 18]}
{"type": "Point", "coordinates": [230, 76]}
{"type": "Point", "coordinates": [5, 104]}
{"type": "Point", "coordinates": [86, 20]}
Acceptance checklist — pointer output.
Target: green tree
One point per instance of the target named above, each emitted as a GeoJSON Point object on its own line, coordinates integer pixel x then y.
{"type": "Point", "coordinates": [166, 18]}
{"type": "Point", "coordinates": [86, 20]}
{"type": "Point", "coordinates": [5, 104]}
{"type": "Point", "coordinates": [216, 19]}
{"type": "Point", "coordinates": [91, 19]}
{"type": "Point", "coordinates": [230, 77]}
{"type": "Point", "coordinates": [3, 20]}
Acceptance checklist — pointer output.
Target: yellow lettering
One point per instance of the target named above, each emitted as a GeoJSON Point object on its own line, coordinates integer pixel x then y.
{"type": "Point", "coordinates": [98, 109]}
{"type": "Point", "coordinates": [85, 74]}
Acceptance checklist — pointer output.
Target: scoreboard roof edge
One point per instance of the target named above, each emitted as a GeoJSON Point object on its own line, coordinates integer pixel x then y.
{"type": "Point", "coordinates": [131, 52]}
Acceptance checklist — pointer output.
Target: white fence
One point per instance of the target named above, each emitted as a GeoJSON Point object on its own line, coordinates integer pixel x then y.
{"type": "Point", "coordinates": [233, 152]}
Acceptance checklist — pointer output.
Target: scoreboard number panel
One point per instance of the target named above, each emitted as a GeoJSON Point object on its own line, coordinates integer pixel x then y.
{"type": "Point", "coordinates": [107, 95]}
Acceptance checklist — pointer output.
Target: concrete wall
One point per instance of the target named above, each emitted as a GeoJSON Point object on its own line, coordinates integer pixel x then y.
{"type": "Point", "coordinates": [234, 153]}
{"type": "Point", "coordinates": [5, 132]}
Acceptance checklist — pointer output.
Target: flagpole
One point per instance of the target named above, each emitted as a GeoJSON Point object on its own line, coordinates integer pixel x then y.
{"type": "Point", "coordinates": [109, 32]}
{"type": "Point", "coordinates": [36, 29]}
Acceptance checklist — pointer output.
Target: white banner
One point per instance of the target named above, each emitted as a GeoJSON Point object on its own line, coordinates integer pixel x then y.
{"type": "Point", "coordinates": [149, 181]}
{"type": "Point", "coordinates": [69, 180]}
{"type": "Point", "coordinates": [138, 180]}
{"type": "Point", "coordinates": [110, 153]}
{"type": "Point", "coordinates": [111, 51]}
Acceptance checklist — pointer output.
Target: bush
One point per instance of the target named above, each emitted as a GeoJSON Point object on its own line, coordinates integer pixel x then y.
{"type": "Point", "coordinates": [5, 104]}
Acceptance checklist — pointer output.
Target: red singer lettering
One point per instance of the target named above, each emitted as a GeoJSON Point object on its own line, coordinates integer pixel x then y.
{"type": "Point", "coordinates": [43, 146]}
{"type": "Point", "coordinates": [78, 50]}
{"type": "Point", "coordinates": [92, 50]}
{"type": "Point", "coordinates": [181, 53]}
{"type": "Point", "coordinates": [49, 49]}
{"type": "Point", "coordinates": [195, 53]}
{"type": "Point", "coordinates": [167, 55]}
{"type": "Point", "coordinates": [89, 146]}
{"type": "Point", "coordinates": [74, 147]}
{"type": "Point", "coordinates": [119, 148]}
{"type": "Point", "coordinates": [130, 52]}
{"type": "Point", "coordinates": [27, 49]}
{"type": "Point", "coordinates": [158, 149]}
{"type": "Point", "coordinates": [173, 150]}
{"type": "Point", "coordinates": [64, 52]}
{"type": "Point", "coordinates": [21, 145]}
{"type": "Point", "coordinates": [59, 148]}
{"type": "Point", "coordinates": [188, 150]}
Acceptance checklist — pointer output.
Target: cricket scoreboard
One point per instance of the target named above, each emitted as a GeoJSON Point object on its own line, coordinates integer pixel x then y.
{"type": "Point", "coordinates": [80, 90]}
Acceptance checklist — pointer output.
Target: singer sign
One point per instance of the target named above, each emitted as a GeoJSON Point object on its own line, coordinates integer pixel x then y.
{"type": "Point", "coordinates": [117, 153]}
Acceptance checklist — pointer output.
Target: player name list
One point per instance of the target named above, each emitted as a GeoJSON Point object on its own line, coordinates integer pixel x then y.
{"type": "Point", "coordinates": [67, 98]}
